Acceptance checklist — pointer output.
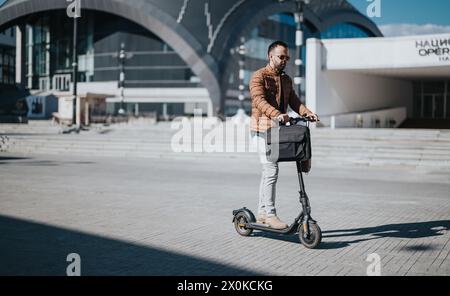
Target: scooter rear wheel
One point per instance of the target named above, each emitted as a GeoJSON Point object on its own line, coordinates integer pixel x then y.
{"type": "Point", "coordinates": [239, 223]}
{"type": "Point", "coordinates": [314, 238]}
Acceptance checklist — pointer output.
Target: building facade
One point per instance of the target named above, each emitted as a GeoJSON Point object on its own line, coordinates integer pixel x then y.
{"type": "Point", "coordinates": [180, 54]}
{"type": "Point", "coordinates": [356, 76]}
{"type": "Point", "coordinates": [7, 57]}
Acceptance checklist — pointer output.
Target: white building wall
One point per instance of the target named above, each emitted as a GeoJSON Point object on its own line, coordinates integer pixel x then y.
{"type": "Point", "coordinates": [343, 75]}
{"type": "Point", "coordinates": [388, 53]}
{"type": "Point", "coordinates": [344, 92]}
{"type": "Point", "coordinates": [193, 98]}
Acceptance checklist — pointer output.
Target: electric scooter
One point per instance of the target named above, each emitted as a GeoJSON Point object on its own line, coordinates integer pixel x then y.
{"type": "Point", "coordinates": [307, 228]}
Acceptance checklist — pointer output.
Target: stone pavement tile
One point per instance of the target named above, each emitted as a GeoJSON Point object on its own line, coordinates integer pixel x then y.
{"type": "Point", "coordinates": [318, 268]}
{"type": "Point", "coordinates": [331, 271]}
{"type": "Point", "coordinates": [416, 274]}
{"type": "Point", "coordinates": [438, 261]}
{"type": "Point", "coordinates": [387, 259]}
{"type": "Point", "coordinates": [355, 272]}
{"type": "Point", "coordinates": [389, 272]}
{"type": "Point", "coordinates": [157, 205]}
{"type": "Point", "coordinates": [445, 265]}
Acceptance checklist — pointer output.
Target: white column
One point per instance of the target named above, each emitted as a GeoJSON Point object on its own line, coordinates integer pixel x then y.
{"type": "Point", "coordinates": [136, 109]}
{"type": "Point", "coordinates": [313, 71]}
{"type": "Point", "coordinates": [164, 111]}
{"type": "Point", "coordinates": [19, 55]}
{"type": "Point", "coordinates": [78, 113]}
{"type": "Point", "coordinates": [210, 108]}
{"type": "Point", "coordinates": [30, 57]}
{"type": "Point", "coordinates": [86, 111]}
{"type": "Point", "coordinates": [47, 56]}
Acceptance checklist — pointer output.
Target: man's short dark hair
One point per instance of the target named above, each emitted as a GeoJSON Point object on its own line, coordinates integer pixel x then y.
{"type": "Point", "coordinates": [275, 44]}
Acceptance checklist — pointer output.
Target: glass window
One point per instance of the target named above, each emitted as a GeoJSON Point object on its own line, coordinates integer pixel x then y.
{"type": "Point", "coordinates": [247, 77]}
{"type": "Point", "coordinates": [280, 26]}
{"type": "Point", "coordinates": [448, 105]}
{"type": "Point", "coordinates": [7, 66]}
{"type": "Point", "coordinates": [283, 18]}
{"type": "Point", "coordinates": [431, 87]}
{"type": "Point", "coordinates": [439, 106]}
{"type": "Point", "coordinates": [1, 65]}
{"type": "Point", "coordinates": [417, 106]}
{"type": "Point", "coordinates": [428, 106]}
{"type": "Point", "coordinates": [231, 78]}
{"type": "Point", "coordinates": [12, 57]}
{"type": "Point", "coordinates": [12, 75]}
{"type": "Point", "coordinates": [345, 30]}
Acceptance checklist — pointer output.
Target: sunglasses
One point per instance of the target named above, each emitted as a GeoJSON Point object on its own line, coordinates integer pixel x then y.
{"type": "Point", "coordinates": [283, 57]}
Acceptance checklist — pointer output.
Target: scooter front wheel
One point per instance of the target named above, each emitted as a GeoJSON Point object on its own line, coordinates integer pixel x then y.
{"type": "Point", "coordinates": [311, 240]}
{"type": "Point", "coordinates": [239, 223]}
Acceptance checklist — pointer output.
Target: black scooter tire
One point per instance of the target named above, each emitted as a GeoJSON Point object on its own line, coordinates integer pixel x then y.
{"type": "Point", "coordinates": [239, 221]}
{"type": "Point", "coordinates": [315, 237]}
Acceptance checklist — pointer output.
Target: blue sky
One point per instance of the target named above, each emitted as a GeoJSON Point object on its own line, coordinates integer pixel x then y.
{"type": "Point", "coordinates": [410, 17]}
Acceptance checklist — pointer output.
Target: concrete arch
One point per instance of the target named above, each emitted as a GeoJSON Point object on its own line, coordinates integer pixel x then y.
{"type": "Point", "coordinates": [145, 14]}
{"type": "Point", "coordinates": [253, 19]}
{"type": "Point", "coordinates": [319, 19]}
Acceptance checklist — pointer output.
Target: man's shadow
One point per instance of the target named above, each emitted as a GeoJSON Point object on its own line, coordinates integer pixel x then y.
{"type": "Point", "coordinates": [402, 230]}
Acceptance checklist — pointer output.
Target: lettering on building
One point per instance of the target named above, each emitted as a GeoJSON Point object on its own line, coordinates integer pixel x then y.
{"type": "Point", "coordinates": [439, 48]}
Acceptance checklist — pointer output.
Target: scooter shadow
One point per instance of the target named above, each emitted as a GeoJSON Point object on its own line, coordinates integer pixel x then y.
{"type": "Point", "coordinates": [293, 238]}
{"type": "Point", "coordinates": [401, 230]}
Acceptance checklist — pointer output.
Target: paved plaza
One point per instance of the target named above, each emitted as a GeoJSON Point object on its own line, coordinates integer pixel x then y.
{"type": "Point", "coordinates": [173, 217]}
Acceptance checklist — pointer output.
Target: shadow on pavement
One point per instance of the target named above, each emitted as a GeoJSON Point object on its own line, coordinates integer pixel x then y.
{"type": "Point", "coordinates": [28, 161]}
{"type": "Point", "coordinates": [29, 248]}
{"type": "Point", "coordinates": [6, 158]}
{"type": "Point", "coordinates": [46, 163]}
{"type": "Point", "coordinates": [287, 238]}
{"type": "Point", "coordinates": [404, 230]}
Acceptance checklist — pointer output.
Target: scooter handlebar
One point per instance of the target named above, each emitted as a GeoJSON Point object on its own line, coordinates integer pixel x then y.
{"type": "Point", "coordinates": [295, 120]}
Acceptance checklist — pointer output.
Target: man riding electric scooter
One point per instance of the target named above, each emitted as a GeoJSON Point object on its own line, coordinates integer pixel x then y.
{"type": "Point", "coordinates": [272, 92]}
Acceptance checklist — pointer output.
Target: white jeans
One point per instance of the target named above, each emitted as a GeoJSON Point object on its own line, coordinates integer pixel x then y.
{"type": "Point", "coordinates": [269, 177]}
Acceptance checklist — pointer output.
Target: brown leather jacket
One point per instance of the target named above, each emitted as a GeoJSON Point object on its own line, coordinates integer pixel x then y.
{"type": "Point", "coordinates": [265, 92]}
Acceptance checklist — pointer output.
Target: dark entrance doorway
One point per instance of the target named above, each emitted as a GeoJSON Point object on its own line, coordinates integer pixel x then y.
{"type": "Point", "coordinates": [431, 105]}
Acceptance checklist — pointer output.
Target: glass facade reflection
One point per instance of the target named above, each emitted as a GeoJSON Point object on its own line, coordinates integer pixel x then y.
{"type": "Point", "coordinates": [7, 59]}
{"type": "Point", "coordinates": [345, 30]}
{"type": "Point", "coordinates": [47, 48]}
{"type": "Point", "coordinates": [431, 99]}
{"type": "Point", "coordinates": [150, 61]}
{"type": "Point", "coordinates": [282, 27]}
{"type": "Point", "coordinates": [7, 66]}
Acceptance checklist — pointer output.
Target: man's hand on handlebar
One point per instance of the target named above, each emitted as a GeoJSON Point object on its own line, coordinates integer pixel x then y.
{"type": "Point", "coordinates": [283, 118]}
{"type": "Point", "coordinates": [312, 117]}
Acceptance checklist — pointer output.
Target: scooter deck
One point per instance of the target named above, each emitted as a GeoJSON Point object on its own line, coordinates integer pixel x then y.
{"type": "Point", "coordinates": [265, 227]}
